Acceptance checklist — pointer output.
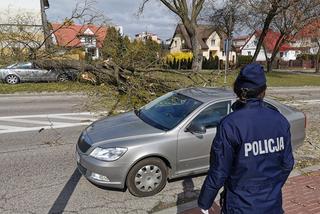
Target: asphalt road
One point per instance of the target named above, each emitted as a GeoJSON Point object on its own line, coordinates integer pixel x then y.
{"type": "Point", "coordinates": [38, 168]}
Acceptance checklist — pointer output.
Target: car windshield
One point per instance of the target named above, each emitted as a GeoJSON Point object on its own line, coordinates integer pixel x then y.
{"type": "Point", "coordinates": [167, 111]}
{"type": "Point", "coordinates": [12, 65]}
{"type": "Point", "coordinates": [21, 65]}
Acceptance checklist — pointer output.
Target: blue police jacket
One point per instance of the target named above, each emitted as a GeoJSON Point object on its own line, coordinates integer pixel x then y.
{"type": "Point", "coordinates": [251, 156]}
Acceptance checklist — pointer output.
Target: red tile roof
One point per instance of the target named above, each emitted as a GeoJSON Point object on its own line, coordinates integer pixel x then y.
{"type": "Point", "coordinates": [271, 39]}
{"type": "Point", "coordinates": [69, 35]}
{"type": "Point", "coordinates": [243, 37]}
{"type": "Point", "coordinates": [310, 30]}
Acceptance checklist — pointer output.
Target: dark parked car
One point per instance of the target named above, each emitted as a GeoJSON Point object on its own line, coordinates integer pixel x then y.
{"type": "Point", "coordinates": [32, 72]}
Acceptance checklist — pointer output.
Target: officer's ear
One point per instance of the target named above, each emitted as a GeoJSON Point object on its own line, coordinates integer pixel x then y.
{"type": "Point", "coordinates": [262, 94]}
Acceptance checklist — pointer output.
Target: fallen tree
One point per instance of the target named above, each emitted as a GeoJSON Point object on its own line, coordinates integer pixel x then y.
{"type": "Point", "coordinates": [135, 86]}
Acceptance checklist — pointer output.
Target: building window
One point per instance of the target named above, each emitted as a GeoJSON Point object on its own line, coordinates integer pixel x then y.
{"type": "Point", "coordinates": [175, 43]}
{"type": "Point", "coordinates": [222, 53]}
{"type": "Point", "coordinates": [91, 52]}
{"type": "Point", "coordinates": [249, 53]}
{"type": "Point", "coordinates": [213, 42]}
{"type": "Point", "coordinates": [88, 39]}
{"type": "Point", "coordinates": [281, 54]}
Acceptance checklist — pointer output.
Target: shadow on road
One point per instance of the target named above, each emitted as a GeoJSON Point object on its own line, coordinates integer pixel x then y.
{"type": "Point", "coordinates": [189, 193]}
{"type": "Point", "coordinates": [62, 200]}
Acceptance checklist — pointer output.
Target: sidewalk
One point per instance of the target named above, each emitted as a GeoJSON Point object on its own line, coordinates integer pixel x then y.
{"type": "Point", "coordinates": [301, 194]}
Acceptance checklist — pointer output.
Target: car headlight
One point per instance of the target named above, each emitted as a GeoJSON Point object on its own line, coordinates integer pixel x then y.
{"type": "Point", "coordinates": [109, 154]}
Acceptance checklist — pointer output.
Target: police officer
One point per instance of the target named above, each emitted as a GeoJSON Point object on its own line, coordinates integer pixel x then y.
{"type": "Point", "coordinates": [251, 155]}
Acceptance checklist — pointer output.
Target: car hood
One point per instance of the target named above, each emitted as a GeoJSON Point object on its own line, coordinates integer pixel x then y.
{"type": "Point", "coordinates": [121, 127]}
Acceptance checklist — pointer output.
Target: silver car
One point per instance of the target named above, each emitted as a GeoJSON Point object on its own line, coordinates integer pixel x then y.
{"type": "Point", "coordinates": [168, 138]}
{"type": "Point", "coordinates": [31, 72]}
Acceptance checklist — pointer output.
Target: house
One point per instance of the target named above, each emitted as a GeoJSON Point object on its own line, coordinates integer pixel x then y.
{"type": "Point", "coordinates": [307, 38]}
{"type": "Point", "coordinates": [34, 9]}
{"type": "Point", "coordinates": [144, 36]}
{"type": "Point", "coordinates": [239, 41]}
{"type": "Point", "coordinates": [88, 37]}
{"type": "Point", "coordinates": [211, 42]}
{"type": "Point", "coordinates": [286, 51]}
{"type": "Point", "coordinates": [26, 19]}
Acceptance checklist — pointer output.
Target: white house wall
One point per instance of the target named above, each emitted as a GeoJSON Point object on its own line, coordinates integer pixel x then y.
{"type": "Point", "coordinates": [289, 55]}
{"type": "Point", "coordinates": [217, 47]}
{"type": "Point", "coordinates": [176, 45]}
{"type": "Point", "coordinates": [250, 48]}
{"type": "Point", "coordinates": [10, 9]}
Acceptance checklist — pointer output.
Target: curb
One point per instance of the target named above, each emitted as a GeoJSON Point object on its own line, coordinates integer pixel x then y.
{"type": "Point", "coordinates": [193, 204]}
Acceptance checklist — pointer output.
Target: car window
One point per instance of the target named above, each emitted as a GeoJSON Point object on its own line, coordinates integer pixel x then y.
{"type": "Point", "coordinates": [268, 105]}
{"type": "Point", "coordinates": [168, 111]}
{"type": "Point", "coordinates": [23, 65]}
{"type": "Point", "coordinates": [211, 116]}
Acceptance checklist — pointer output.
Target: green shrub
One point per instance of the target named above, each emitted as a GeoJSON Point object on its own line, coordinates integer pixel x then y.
{"type": "Point", "coordinates": [211, 63]}
{"type": "Point", "coordinates": [306, 57]}
{"type": "Point", "coordinates": [243, 60]}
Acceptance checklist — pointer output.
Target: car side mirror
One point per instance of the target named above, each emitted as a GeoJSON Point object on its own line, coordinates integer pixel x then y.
{"type": "Point", "coordinates": [196, 128]}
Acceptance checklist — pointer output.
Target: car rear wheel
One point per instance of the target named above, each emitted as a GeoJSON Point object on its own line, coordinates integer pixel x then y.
{"type": "Point", "coordinates": [63, 78]}
{"type": "Point", "coordinates": [147, 177]}
{"type": "Point", "coordinates": [12, 79]}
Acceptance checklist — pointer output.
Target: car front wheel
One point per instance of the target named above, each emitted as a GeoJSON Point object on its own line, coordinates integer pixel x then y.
{"type": "Point", "coordinates": [12, 79]}
{"type": "Point", "coordinates": [63, 78]}
{"type": "Point", "coordinates": [147, 177]}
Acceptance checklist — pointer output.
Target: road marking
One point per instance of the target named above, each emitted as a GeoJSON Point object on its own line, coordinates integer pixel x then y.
{"type": "Point", "coordinates": [302, 102]}
{"type": "Point", "coordinates": [68, 120]}
{"type": "Point", "coordinates": [7, 127]}
{"type": "Point", "coordinates": [48, 115]}
{"type": "Point", "coordinates": [31, 121]}
{"type": "Point", "coordinates": [23, 129]}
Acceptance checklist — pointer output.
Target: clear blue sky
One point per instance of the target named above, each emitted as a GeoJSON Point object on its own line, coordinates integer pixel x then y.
{"type": "Point", "coordinates": [156, 18]}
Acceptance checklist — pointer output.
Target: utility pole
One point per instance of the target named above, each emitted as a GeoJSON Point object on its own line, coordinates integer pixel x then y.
{"type": "Point", "coordinates": [226, 50]}
{"type": "Point", "coordinates": [46, 30]}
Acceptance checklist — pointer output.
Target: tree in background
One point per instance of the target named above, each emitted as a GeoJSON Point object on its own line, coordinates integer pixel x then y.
{"type": "Point", "coordinates": [21, 39]}
{"type": "Point", "coordinates": [226, 18]}
{"type": "Point", "coordinates": [114, 46]}
{"type": "Point", "coordinates": [312, 32]}
{"type": "Point", "coordinates": [290, 22]}
{"type": "Point", "coordinates": [134, 55]}
{"type": "Point", "coordinates": [260, 14]}
{"type": "Point", "coordinates": [188, 12]}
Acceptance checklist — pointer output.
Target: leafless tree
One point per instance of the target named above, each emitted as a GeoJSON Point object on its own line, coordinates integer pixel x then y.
{"type": "Point", "coordinates": [23, 36]}
{"type": "Point", "coordinates": [290, 22]}
{"type": "Point", "coordinates": [188, 12]}
{"type": "Point", "coordinates": [260, 14]}
{"type": "Point", "coordinates": [311, 33]}
{"type": "Point", "coordinates": [226, 18]}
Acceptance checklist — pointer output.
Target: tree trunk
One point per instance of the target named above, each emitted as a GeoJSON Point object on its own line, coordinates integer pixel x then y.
{"type": "Point", "coordinates": [275, 51]}
{"type": "Point", "coordinates": [269, 65]}
{"type": "Point", "coordinates": [227, 57]}
{"type": "Point", "coordinates": [264, 32]}
{"type": "Point", "coordinates": [317, 65]}
{"type": "Point", "coordinates": [197, 53]}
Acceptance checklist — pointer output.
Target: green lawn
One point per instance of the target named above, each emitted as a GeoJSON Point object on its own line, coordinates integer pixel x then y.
{"type": "Point", "coordinates": [287, 79]}
{"type": "Point", "coordinates": [274, 80]}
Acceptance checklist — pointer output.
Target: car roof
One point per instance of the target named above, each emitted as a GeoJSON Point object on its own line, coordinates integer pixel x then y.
{"type": "Point", "coordinates": [205, 94]}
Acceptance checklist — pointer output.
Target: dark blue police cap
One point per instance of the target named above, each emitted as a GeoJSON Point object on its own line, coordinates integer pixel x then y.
{"type": "Point", "coordinates": [251, 76]}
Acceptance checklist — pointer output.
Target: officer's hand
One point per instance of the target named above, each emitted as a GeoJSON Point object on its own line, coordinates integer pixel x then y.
{"type": "Point", "coordinates": [204, 211]}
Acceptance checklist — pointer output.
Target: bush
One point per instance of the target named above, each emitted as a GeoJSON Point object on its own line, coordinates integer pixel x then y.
{"type": "Point", "coordinates": [243, 60]}
{"type": "Point", "coordinates": [211, 63]}
{"type": "Point", "coordinates": [306, 57]}
{"type": "Point", "coordinates": [179, 60]}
